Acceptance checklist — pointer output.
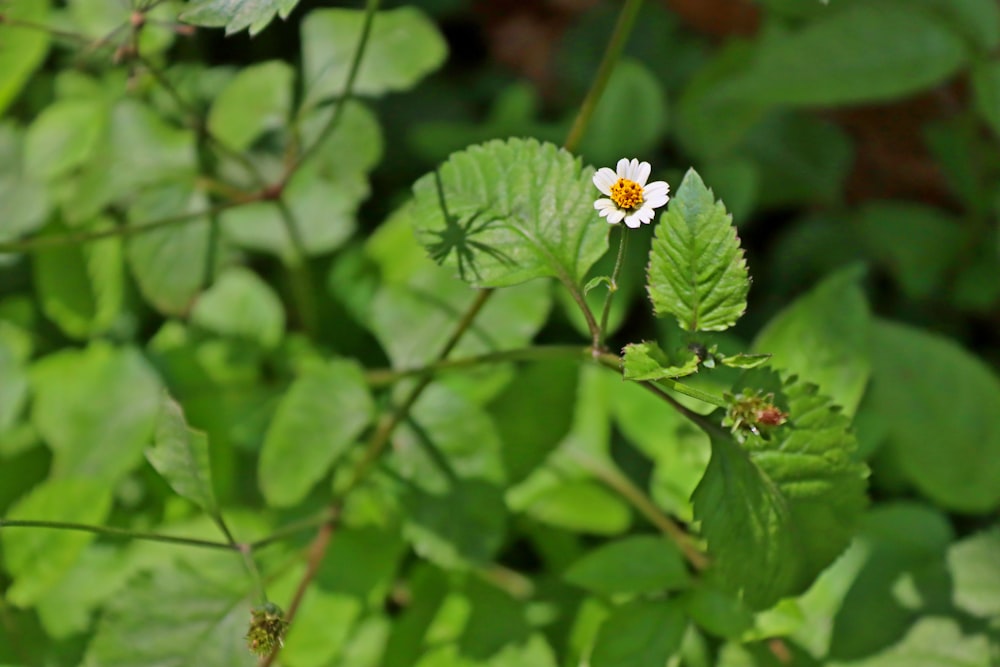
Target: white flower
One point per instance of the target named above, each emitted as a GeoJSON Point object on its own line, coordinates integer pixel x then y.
{"type": "Point", "coordinates": [629, 197]}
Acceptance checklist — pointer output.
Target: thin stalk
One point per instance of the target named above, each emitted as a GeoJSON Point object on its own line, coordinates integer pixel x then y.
{"type": "Point", "coordinates": [623, 28]}
{"type": "Point", "coordinates": [624, 487]}
{"type": "Point", "coordinates": [613, 287]}
{"type": "Point", "coordinates": [298, 271]}
{"type": "Point", "coordinates": [108, 531]}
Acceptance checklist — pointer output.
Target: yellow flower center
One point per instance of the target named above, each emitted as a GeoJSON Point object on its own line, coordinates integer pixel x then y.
{"type": "Point", "coordinates": [627, 194]}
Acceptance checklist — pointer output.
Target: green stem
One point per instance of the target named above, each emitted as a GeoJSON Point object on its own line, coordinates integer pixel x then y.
{"type": "Point", "coordinates": [624, 487]}
{"type": "Point", "coordinates": [108, 531]}
{"type": "Point", "coordinates": [613, 287]}
{"type": "Point", "coordinates": [371, 9]}
{"type": "Point", "coordinates": [612, 53]}
{"type": "Point", "coordinates": [298, 270]}
{"type": "Point", "coordinates": [293, 529]}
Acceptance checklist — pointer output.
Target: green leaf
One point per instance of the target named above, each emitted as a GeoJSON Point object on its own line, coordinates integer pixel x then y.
{"type": "Point", "coordinates": [236, 15]}
{"type": "Point", "coordinates": [975, 575]}
{"type": "Point", "coordinates": [697, 272]}
{"type": "Point", "coordinates": [977, 20]}
{"type": "Point", "coordinates": [182, 617]}
{"type": "Point", "coordinates": [14, 388]}
{"type": "Point", "coordinates": [941, 405]}
{"type": "Point", "coordinates": [68, 608]}
{"type": "Point", "coordinates": [319, 418]}
{"type": "Point", "coordinates": [81, 287]}
{"type": "Point", "coordinates": [38, 558]}
{"type": "Point", "coordinates": [745, 361]}
{"type": "Point", "coordinates": [242, 306]}
{"type": "Point", "coordinates": [180, 455]}
{"type": "Point", "coordinates": [776, 511]}
{"type": "Point", "coordinates": [632, 92]}
{"type": "Point", "coordinates": [464, 526]}
{"type": "Point", "coordinates": [96, 409]}
{"type": "Point", "coordinates": [505, 212]}
{"type": "Point", "coordinates": [24, 49]}
{"type": "Point", "coordinates": [639, 634]}
{"type": "Point", "coordinates": [404, 47]}
{"type": "Point", "coordinates": [63, 137]}
{"type": "Point", "coordinates": [169, 263]}
{"type": "Point", "coordinates": [864, 53]}
{"type": "Point", "coordinates": [258, 99]}
{"type": "Point", "coordinates": [986, 89]}
{"type": "Point", "coordinates": [933, 642]}
{"type": "Point", "coordinates": [639, 564]}
{"type": "Point", "coordinates": [824, 338]}
{"type": "Point", "coordinates": [647, 361]}
{"type": "Point", "coordinates": [581, 506]}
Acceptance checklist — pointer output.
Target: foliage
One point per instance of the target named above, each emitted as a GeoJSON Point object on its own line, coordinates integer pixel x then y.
{"type": "Point", "coordinates": [314, 350]}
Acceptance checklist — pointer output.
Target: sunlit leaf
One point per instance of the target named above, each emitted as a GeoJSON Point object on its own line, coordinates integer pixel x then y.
{"type": "Point", "coordinates": [235, 15]}
{"type": "Point", "coordinates": [180, 455]}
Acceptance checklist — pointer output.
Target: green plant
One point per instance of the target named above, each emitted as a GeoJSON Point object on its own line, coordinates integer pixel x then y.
{"type": "Point", "coordinates": [261, 397]}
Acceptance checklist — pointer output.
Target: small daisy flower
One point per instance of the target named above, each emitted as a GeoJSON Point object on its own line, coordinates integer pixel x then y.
{"type": "Point", "coordinates": [629, 197]}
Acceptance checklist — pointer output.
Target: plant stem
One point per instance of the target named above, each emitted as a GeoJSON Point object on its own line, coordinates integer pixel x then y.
{"type": "Point", "coordinates": [613, 287]}
{"type": "Point", "coordinates": [612, 53]}
{"type": "Point", "coordinates": [108, 531]}
{"type": "Point", "coordinates": [298, 270]}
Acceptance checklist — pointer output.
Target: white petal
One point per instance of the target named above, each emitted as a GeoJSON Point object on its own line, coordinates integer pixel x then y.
{"type": "Point", "coordinates": [604, 178]}
{"type": "Point", "coordinates": [633, 170]}
{"type": "Point", "coordinates": [642, 174]}
{"type": "Point", "coordinates": [633, 221]}
{"type": "Point", "coordinates": [656, 201]}
{"type": "Point", "coordinates": [604, 205]}
{"type": "Point", "coordinates": [656, 187]}
{"type": "Point", "coordinates": [616, 216]}
{"type": "Point", "coordinates": [622, 167]}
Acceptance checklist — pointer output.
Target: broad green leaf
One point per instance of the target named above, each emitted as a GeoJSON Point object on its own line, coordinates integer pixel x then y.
{"type": "Point", "coordinates": [14, 388]}
{"type": "Point", "coordinates": [934, 241]}
{"type": "Point", "coordinates": [38, 558]}
{"type": "Point", "coordinates": [319, 418]}
{"type": "Point", "coordinates": [647, 361]}
{"type": "Point", "coordinates": [502, 213]}
{"type": "Point", "coordinates": [96, 409]}
{"type": "Point", "coordinates": [533, 414]}
{"type": "Point", "coordinates": [243, 306]}
{"type": "Point", "coordinates": [977, 20]}
{"type": "Point", "coordinates": [581, 506]}
{"type": "Point", "coordinates": [639, 634]}
{"type": "Point", "coordinates": [640, 564]}
{"type": "Point", "coordinates": [182, 617]}
{"type": "Point", "coordinates": [976, 574]}
{"type": "Point", "coordinates": [933, 641]}
{"type": "Point", "coordinates": [81, 286]}
{"type": "Point", "coordinates": [68, 609]}
{"type": "Point", "coordinates": [867, 52]}
{"type": "Point", "coordinates": [258, 99]}
{"type": "Point", "coordinates": [941, 404]}
{"type": "Point", "coordinates": [235, 15]}
{"type": "Point", "coordinates": [24, 49]}
{"type": "Point", "coordinates": [169, 263]}
{"type": "Point", "coordinates": [986, 89]}
{"type": "Point", "coordinates": [776, 511]}
{"type": "Point", "coordinates": [824, 338]}
{"type": "Point", "coordinates": [464, 526]}
{"type": "Point", "coordinates": [697, 272]}
{"type": "Point", "coordinates": [63, 137]}
{"type": "Point", "coordinates": [180, 455]}
{"type": "Point", "coordinates": [404, 46]}
{"type": "Point", "coordinates": [447, 434]}
{"type": "Point", "coordinates": [632, 92]}
{"type": "Point", "coordinates": [718, 613]}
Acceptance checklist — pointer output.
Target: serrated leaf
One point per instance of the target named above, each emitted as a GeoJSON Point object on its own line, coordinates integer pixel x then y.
{"type": "Point", "coordinates": [403, 47]}
{"type": "Point", "coordinates": [775, 512]}
{"type": "Point", "coordinates": [180, 455]}
{"type": "Point", "coordinates": [95, 408]}
{"type": "Point", "coordinates": [639, 634]}
{"type": "Point", "coordinates": [318, 419]}
{"type": "Point", "coordinates": [24, 49]}
{"type": "Point", "coordinates": [38, 558]}
{"type": "Point", "coordinates": [236, 15]}
{"type": "Point", "coordinates": [941, 405]}
{"type": "Point", "coordinates": [697, 272]}
{"type": "Point", "coordinates": [824, 338]}
{"type": "Point", "coordinates": [639, 564]}
{"type": "Point", "coordinates": [647, 361]}
{"type": "Point", "coordinates": [183, 618]}
{"type": "Point", "coordinates": [504, 212]}
{"type": "Point", "coordinates": [866, 52]}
